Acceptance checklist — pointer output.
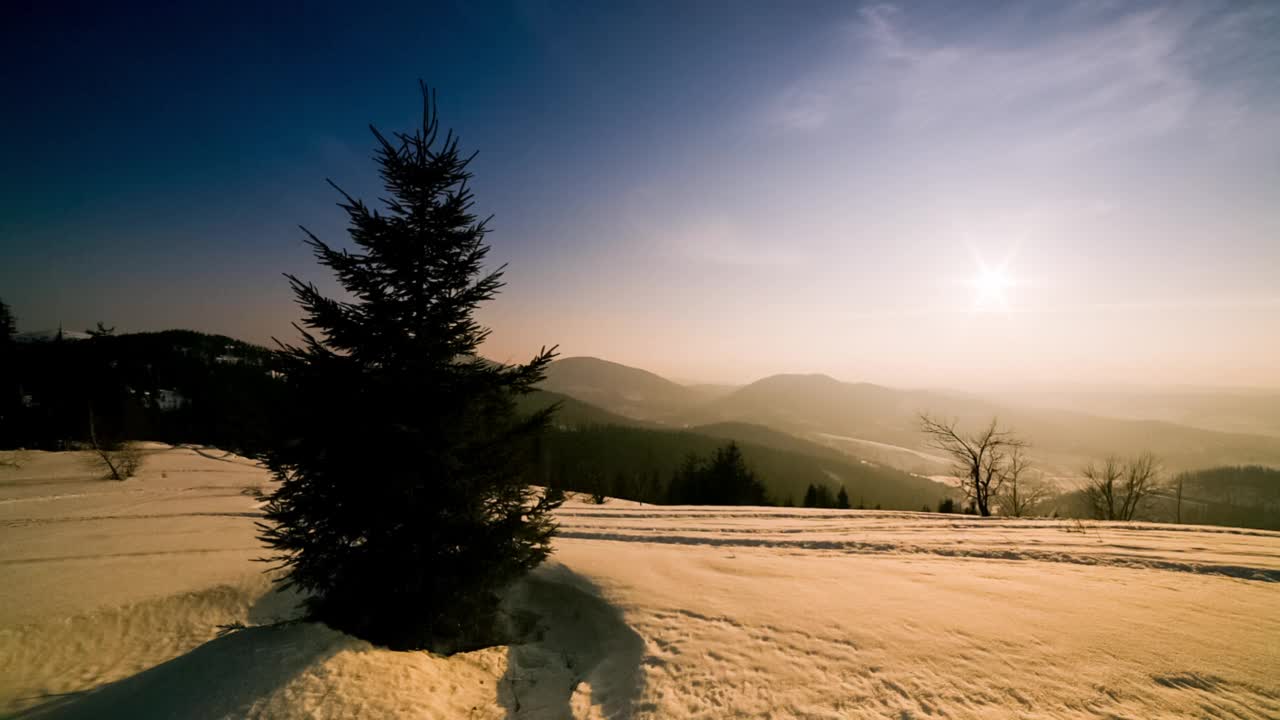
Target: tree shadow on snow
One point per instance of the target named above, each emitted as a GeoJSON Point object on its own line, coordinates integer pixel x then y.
{"type": "Point", "coordinates": [580, 652]}
{"type": "Point", "coordinates": [276, 606]}
{"type": "Point", "coordinates": [221, 678]}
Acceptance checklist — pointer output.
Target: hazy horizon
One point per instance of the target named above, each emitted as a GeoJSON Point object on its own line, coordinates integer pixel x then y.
{"type": "Point", "coordinates": [913, 194]}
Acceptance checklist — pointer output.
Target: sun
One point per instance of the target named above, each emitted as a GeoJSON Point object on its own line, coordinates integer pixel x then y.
{"type": "Point", "coordinates": [991, 286]}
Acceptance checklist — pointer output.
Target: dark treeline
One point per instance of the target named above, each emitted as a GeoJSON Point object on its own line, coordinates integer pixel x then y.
{"type": "Point", "coordinates": [1233, 496]}
{"type": "Point", "coordinates": [1239, 496]}
{"type": "Point", "coordinates": [820, 496]}
{"type": "Point", "coordinates": [1245, 484]}
{"type": "Point", "coordinates": [176, 386]}
{"type": "Point", "coordinates": [724, 478]}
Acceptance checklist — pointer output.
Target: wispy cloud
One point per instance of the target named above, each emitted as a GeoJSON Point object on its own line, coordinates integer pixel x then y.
{"type": "Point", "coordinates": [1076, 80]}
{"type": "Point", "coordinates": [800, 109]}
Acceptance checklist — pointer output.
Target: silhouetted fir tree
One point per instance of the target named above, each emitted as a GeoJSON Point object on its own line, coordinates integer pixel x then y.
{"type": "Point", "coordinates": [8, 325]}
{"type": "Point", "coordinates": [811, 496]}
{"type": "Point", "coordinates": [555, 495]}
{"type": "Point", "coordinates": [656, 493]}
{"type": "Point", "coordinates": [842, 499]}
{"type": "Point", "coordinates": [596, 487]}
{"type": "Point", "coordinates": [819, 496]}
{"type": "Point", "coordinates": [109, 422]}
{"type": "Point", "coordinates": [730, 482]}
{"type": "Point", "coordinates": [10, 385]}
{"type": "Point", "coordinates": [724, 480]}
{"type": "Point", "coordinates": [623, 487]}
{"type": "Point", "coordinates": [685, 487]}
{"type": "Point", "coordinates": [405, 506]}
{"type": "Point", "coordinates": [947, 505]}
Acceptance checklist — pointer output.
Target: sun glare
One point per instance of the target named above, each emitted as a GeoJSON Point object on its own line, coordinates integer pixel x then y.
{"type": "Point", "coordinates": [991, 285]}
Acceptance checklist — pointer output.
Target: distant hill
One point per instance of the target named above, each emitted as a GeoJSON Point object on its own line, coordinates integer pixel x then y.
{"type": "Point", "coordinates": [863, 414]}
{"type": "Point", "coordinates": [817, 404]}
{"type": "Point", "coordinates": [880, 423]}
{"type": "Point", "coordinates": [619, 389]}
{"type": "Point", "coordinates": [574, 413]}
{"type": "Point", "coordinates": [1253, 412]}
{"type": "Point", "coordinates": [32, 336]}
{"type": "Point", "coordinates": [706, 392]}
{"type": "Point", "coordinates": [768, 437]}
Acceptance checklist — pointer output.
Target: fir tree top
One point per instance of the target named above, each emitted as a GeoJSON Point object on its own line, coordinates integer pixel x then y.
{"type": "Point", "coordinates": [417, 276]}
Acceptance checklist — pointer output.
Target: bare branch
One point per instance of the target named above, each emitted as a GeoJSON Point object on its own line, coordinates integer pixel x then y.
{"type": "Point", "coordinates": [1020, 495]}
{"type": "Point", "coordinates": [980, 460]}
{"type": "Point", "coordinates": [1119, 489]}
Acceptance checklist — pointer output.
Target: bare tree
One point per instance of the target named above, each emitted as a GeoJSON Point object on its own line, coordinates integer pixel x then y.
{"type": "Point", "coordinates": [102, 330]}
{"type": "Point", "coordinates": [1118, 489]}
{"type": "Point", "coordinates": [1020, 493]}
{"type": "Point", "coordinates": [982, 460]}
{"type": "Point", "coordinates": [117, 460]}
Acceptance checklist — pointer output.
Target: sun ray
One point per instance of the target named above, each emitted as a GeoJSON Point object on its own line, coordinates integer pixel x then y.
{"type": "Point", "coordinates": [991, 284]}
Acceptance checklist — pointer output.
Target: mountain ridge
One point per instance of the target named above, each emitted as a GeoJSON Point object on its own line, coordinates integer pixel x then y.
{"type": "Point", "coordinates": [860, 416]}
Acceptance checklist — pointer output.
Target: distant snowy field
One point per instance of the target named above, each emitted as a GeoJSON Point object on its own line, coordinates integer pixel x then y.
{"type": "Point", "coordinates": [112, 595]}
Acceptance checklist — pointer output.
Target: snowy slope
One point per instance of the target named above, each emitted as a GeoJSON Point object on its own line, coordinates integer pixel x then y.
{"type": "Point", "coordinates": [112, 594]}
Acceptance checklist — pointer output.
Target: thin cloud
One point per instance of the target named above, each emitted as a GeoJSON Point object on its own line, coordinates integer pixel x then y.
{"type": "Point", "coordinates": [1088, 82]}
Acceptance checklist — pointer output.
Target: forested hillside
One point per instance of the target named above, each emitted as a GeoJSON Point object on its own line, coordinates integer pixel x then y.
{"type": "Point", "coordinates": [639, 463]}
{"type": "Point", "coordinates": [174, 386]}
{"type": "Point", "coordinates": [1243, 496]}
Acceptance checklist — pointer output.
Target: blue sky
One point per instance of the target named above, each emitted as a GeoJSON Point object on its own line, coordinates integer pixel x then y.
{"type": "Point", "coordinates": [709, 190]}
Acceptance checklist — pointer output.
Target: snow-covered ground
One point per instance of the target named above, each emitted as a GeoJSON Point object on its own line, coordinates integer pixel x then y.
{"type": "Point", "coordinates": [112, 596]}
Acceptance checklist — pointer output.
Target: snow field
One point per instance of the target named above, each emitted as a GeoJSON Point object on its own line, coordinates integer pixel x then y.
{"type": "Point", "coordinates": [113, 598]}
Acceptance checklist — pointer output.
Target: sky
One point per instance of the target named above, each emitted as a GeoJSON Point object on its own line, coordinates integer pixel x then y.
{"type": "Point", "coordinates": [914, 194]}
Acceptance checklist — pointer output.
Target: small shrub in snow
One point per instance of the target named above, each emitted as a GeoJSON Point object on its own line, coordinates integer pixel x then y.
{"type": "Point", "coordinates": [119, 461]}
